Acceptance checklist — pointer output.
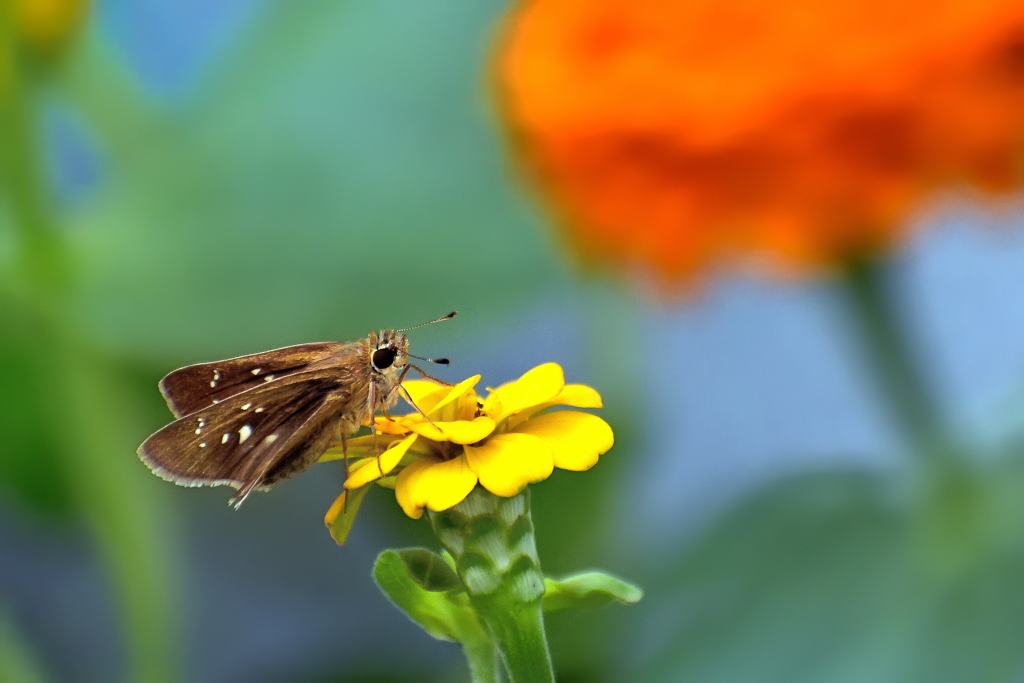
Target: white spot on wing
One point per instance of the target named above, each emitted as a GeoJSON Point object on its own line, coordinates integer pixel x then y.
{"type": "Point", "coordinates": [213, 384]}
{"type": "Point", "coordinates": [258, 410]}
{"type": "Point", "coordinates": [199, 430]}
{"type": "Point", "coordinates": [268, 378]}
{"type": "Point", "coordinates": [244, 433]}
{"type": "Point", "coordinates": [256, 371]}
{"type": "Point", "coordinates": [270, 439]}
{"type": "Point", "coordinates": [224, 439]}
{"type": "Point", "coordinates": [202, 445]}
{"type": "Point", "coordinates": [247, 406]}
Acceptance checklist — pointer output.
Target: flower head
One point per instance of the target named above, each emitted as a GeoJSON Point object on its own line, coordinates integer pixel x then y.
{"type": "Point", "coordinates": [503, 441]}
{"type": "Point", "coordinates": [671, 136]}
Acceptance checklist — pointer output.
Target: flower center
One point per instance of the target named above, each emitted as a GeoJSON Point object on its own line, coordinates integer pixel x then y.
{"type": "Point", "coordinates": [445, 449]}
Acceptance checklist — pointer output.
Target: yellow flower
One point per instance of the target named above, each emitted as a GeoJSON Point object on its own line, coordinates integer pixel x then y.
{"type": "Point", "coordinates": [48, 26]}
{"type": "Point", "coordinates": [503, 442]}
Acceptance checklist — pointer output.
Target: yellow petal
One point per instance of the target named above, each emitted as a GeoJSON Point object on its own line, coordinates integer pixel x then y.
{"type": "Point", "coordinates": [390, 425]}
{"type": "Point", "coordinates": [506, 463]}
{"type": "Point", "coordinates": [433, 483]}
{"type": "Point", "coordinates": [342, 514]}
{"type": "Point", "coordinates": [441, 395]}
{"type": "Point", "coordinates": [536, 386]}
{"type": "Point", "coordinates": [360, 447]}
{"type": "Point", "coordinates": [419, 389]}
{"type": "Point", "coordinates": [424, 400]}
{"type": "Point", "coordinates": [576, 439]}
{"type": "Point", "coordinates": [456, 431]}
{"type": "Point", "coordinates": [361, 463]}
{"type": "Point", "coordinates": [458, 391]}
{"type": "Point", "coordinates": [577, 396]}
{"type": "Point", "coordinates": [378, 467]}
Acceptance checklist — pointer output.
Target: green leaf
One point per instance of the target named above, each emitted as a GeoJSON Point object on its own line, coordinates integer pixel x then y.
{"type": "Point", "coordinates": [341, 524]}
{"type": "Point", "coordinates": [430, 570]}
{"type": "Point", "coordinates": [588, 590]}
{"type": "Point", "coordinates": [123, 503]}
{"type": "Point", "coordinates": [851, 577]}
{"type": "Point", "coordinates": [442, 615]}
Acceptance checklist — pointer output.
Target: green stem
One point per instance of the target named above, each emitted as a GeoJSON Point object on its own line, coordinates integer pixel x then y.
{"type": "Point", "coordinates": [895, 367]}
{"type": "Point", "coordinates": [123, 506]}
{"type": "Point", "coordinates": [113, 491]}
{"type": "Point", "coordinates": [17, 661]}
{"type": "Point", "coordinates": [483, 660]}
{"type": "Point", "coordinates": [44, 259]}
{"type": "Point", "coordinates": [518, 630]}
{"type": "Point", "coordinates": [491, 539]}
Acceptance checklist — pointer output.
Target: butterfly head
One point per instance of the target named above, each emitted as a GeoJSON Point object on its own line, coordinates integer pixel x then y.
{"type": "Point", "coordinates": [390, 351]}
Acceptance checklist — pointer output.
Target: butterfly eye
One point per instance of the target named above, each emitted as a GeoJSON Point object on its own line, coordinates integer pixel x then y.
{"type": "Point", "coordinates": [384, 357]}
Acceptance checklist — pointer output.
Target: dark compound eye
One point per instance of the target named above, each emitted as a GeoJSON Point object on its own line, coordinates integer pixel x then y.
{"type": "Point", "coordinates": [384, 357]}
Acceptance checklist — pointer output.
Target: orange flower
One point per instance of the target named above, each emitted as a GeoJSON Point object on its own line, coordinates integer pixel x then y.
{"type": "Point", "coordinates": [671, 135]}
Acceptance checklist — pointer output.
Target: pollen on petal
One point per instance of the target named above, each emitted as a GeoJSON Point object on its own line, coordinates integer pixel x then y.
{"type": "Point", "coordinates": [506, 463]}
{"type": "Point", "coordinates": [576, 439]}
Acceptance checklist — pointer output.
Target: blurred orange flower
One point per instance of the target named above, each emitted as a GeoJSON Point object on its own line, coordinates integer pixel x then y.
{"type": "Point", "coordinates": [670, 135]}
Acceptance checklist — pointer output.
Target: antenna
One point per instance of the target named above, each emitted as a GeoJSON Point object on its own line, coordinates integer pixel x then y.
{"type": "Point", "coordinates": [447, 316]}
{"type": "Point", "coordinates": [439, 361]}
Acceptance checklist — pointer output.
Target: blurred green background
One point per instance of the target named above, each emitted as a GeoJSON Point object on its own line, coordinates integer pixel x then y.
{"type": "Point", "coordinates": [189, 181]}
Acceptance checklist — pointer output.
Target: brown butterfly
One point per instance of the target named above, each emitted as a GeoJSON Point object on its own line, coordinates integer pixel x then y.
{"type": "Point", "coordinates": [249, 422]}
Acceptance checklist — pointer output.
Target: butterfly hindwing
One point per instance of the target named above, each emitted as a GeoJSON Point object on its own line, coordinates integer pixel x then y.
{"type": "Point", "coordinates": [194, 387]}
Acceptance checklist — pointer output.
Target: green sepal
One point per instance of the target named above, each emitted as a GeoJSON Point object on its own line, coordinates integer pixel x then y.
{"type": "Point", "coordinates": [429, 570]}
{"type": "Point", "coordinates": [588, 590]}
{"type": "Point", "coordinates": [342, 524]}
{"type": "Point", "coordinates": [445, 616]}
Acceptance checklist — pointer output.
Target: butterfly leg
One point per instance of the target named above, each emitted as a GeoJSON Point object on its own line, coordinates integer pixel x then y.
{"type": "Point", "coordinates": [344, 452]}
{"type": "Point", "coordinates": [398, 385]}
{"type": "Point", "coordinates": [404, 393]}
{"type": "Point", "coordinates": [372, 399]}
{"type": "Point", "coordinates": [344, 457]}
{"type": "Point", "coordinates": [426, 376]}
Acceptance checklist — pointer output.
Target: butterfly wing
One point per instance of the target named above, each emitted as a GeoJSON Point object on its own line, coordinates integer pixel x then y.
{"type": "Point", "coordinates": [194, 387]}
{"type": "Point", "coordinates": [263, 434]}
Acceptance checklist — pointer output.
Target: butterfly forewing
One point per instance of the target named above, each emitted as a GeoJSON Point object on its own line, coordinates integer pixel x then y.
{"type": "Point", "coordinates": [194, 387]}
{"type": "Point", "coordinates": [251, 421]}
{"type": "Point", "coordinates": [254, 438]}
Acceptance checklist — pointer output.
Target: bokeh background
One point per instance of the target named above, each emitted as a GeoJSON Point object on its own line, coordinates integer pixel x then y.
{"type": "Point", "coordinates": [194, 180]}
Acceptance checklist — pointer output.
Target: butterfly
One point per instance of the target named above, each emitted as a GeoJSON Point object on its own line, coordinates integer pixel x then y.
{"type": "Point", "coordinates": [251, 421]}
